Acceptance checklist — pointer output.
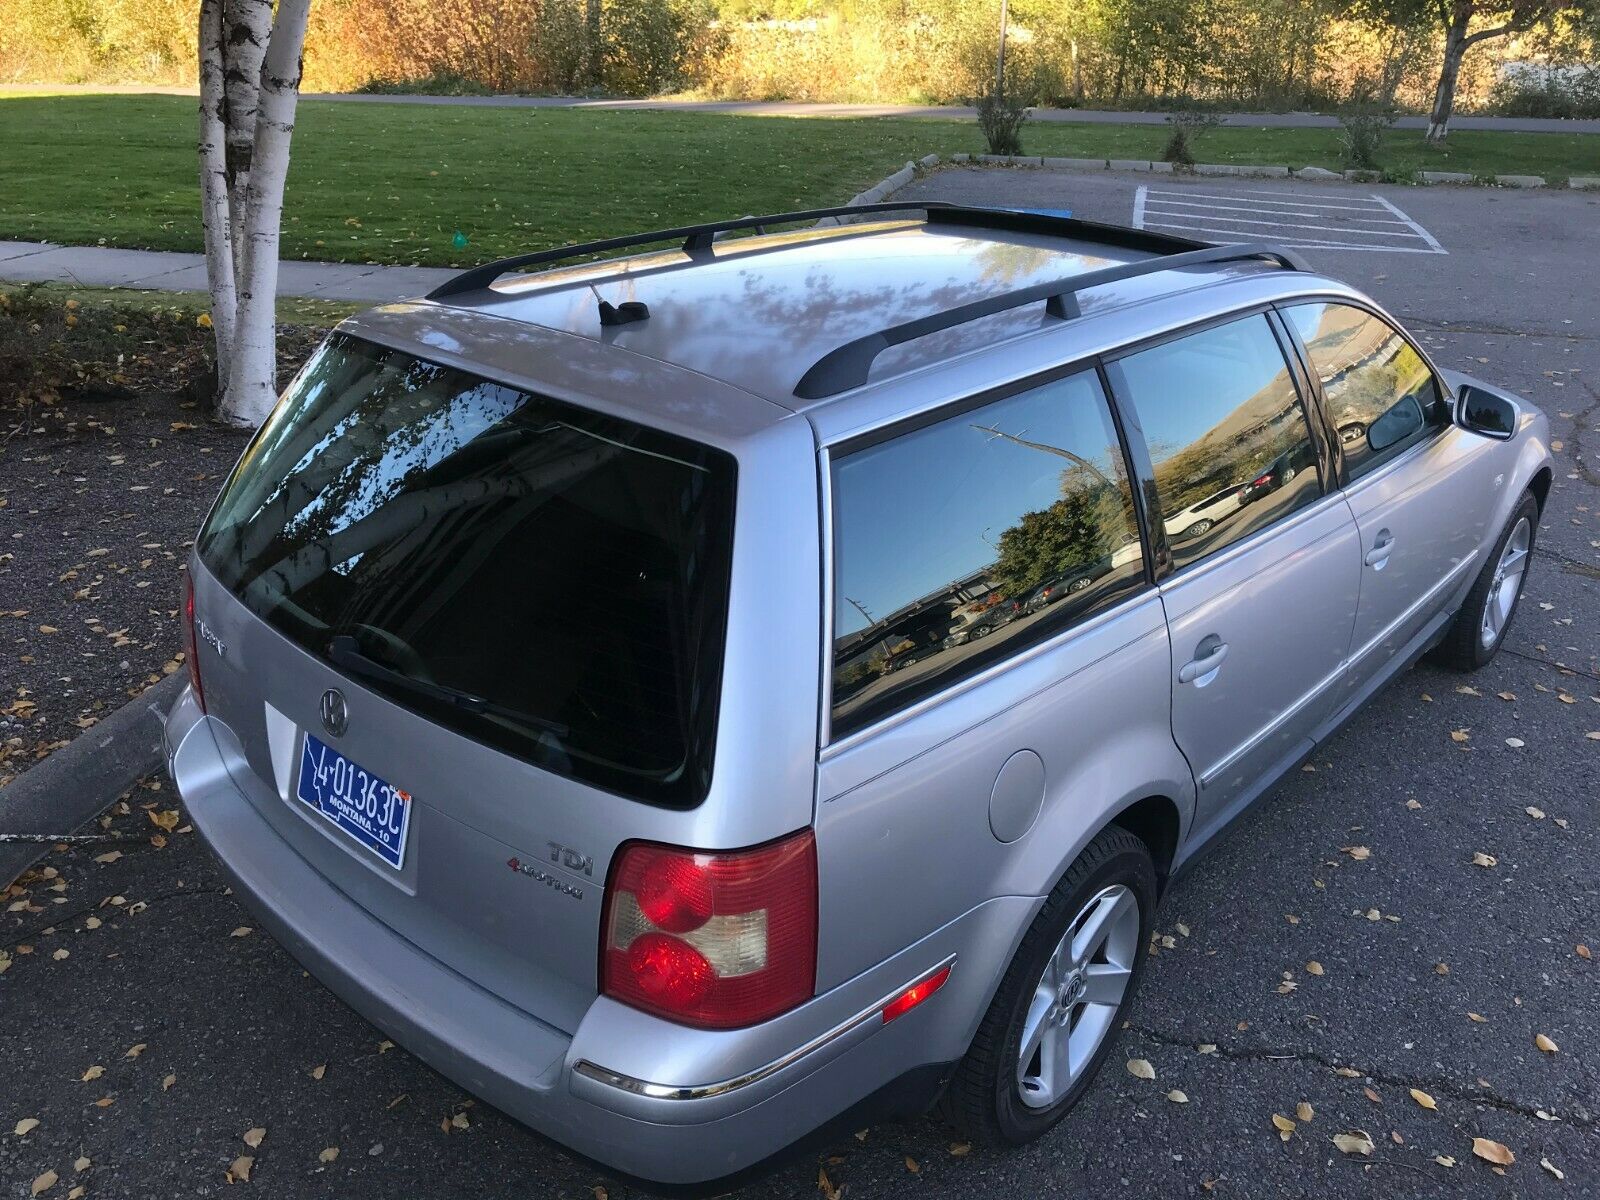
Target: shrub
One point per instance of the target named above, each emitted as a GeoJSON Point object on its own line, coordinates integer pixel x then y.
{"type": "Point", "coordinates": [1189, 125]}
{"type": "Point", "coordinates": [1566, 92]}
{"type": "Point", "coordinates": [1364, 121]}
{"type": "Point", "coordinates": [1001, 117]}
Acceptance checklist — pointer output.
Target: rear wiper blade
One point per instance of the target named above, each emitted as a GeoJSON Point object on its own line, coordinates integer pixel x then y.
{"type": "Point", "coordinates": [346, 652]}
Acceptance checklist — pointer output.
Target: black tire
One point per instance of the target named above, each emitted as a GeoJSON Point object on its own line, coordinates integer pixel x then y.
{"type": "Point", "coordinates": [983, 1099]}
{"type": "Point", "coordinates": [1463, 648]}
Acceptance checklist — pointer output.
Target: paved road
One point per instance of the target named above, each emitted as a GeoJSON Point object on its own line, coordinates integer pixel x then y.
{"type": "Point", "coordinates": [240, 1027]}
{"type": "Point", "coordinates": [787, 108]}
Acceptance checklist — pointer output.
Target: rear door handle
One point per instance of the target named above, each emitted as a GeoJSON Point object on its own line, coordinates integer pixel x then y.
{"type": "Point", "coordinates": [1379, 554]}
{"type": "Point", "coordinates": [1205, 664]}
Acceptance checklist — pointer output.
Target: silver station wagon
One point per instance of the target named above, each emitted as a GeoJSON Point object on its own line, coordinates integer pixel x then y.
{"type": "Point", "coordinates": [695, 698]}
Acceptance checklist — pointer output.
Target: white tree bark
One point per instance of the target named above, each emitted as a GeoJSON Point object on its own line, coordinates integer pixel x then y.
{"type": "Point", "coordinates": [251, 388]}
{"type": "Point", "coordinates": [214, 201]}
{"type": "Point", "coordinates": [246, 26]}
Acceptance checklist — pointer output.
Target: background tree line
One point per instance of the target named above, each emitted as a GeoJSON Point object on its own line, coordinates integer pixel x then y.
{"type": "Point", "coordinates": [1248, 54]}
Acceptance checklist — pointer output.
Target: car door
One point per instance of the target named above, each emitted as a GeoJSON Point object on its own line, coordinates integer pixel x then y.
{"type": "Point", "coordinates": [1259, 603]}
{"type": "Point", "coordinates": [1420, 508]}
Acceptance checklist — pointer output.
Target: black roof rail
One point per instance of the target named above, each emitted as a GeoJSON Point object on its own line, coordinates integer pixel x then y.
{"type": "Point", "coordinates": [847, 366]}
{"type": "Point", "coordinates": [697, 240]}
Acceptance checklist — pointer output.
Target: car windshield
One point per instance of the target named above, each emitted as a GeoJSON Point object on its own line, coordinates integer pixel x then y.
{"type": "Point", "coordinates": [541, 578]}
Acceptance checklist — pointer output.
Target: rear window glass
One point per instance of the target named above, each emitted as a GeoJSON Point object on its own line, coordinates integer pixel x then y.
{"type": "Point", "coordinates": [544, 579]}
{"type": "Point", "coordinates": [961, 542]}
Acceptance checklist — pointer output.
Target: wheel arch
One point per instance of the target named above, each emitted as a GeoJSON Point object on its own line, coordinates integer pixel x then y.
{"type": "Point", "coordinates": [1156, 821]}
{"type": "Point", "coordinates": [1539, 485]}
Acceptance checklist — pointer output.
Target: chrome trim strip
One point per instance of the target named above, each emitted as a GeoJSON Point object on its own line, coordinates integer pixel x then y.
{"type": "Point", "coordinates": [1417, 605]}
{"type": "Point", "coordinates": [704, 1091]}
{"type": "Point", "coordinates": [1327, 681]}
{"type": "Point", "coordinates": [1273, 726]}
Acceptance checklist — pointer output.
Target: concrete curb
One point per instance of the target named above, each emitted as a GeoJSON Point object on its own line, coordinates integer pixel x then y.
{"type": "Point", "coordinates": [1257, 171]}
{"type": "Point", "coordinates": [79, 781]}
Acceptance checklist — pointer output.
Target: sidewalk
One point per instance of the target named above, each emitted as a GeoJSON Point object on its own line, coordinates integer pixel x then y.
{"type": "Point", "coordinates": [101, 266]}
{"type": "Point", "coordinates": [781, 108]}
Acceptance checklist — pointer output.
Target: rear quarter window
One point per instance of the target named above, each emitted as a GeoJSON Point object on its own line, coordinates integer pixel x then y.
{"type": "Point", "coordinates": [962, 541]}
{"type": "Point", "coordinates": [439, 536]}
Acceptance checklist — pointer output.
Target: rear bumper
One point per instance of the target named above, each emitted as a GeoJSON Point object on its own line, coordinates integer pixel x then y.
{"type": "Point", "coordinates": [638, 1095]}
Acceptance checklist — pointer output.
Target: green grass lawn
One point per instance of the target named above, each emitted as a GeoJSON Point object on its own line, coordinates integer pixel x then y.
{"type": "Point", "coordinates": [394, 183]}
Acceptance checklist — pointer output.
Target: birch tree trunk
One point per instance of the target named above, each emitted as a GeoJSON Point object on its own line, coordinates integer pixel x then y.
{"type": "Point", "coordinates": [246, 26]}
{"type": "Point", "coordinates": [252, 377]}
{"type": "Point", "coordinates": [214, 206]}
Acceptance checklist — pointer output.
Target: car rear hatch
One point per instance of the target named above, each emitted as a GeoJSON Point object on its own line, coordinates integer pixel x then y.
{"type": "Point", "coordinates": [458, 631]}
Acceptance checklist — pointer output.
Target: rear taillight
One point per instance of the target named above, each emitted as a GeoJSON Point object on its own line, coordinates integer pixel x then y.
{"type": "Point", "coordinates": [717, 939]}
{"type": "Point", "coordinates": [190, 641]}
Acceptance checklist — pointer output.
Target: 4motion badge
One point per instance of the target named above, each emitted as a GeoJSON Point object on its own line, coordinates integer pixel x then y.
{"type": "Point", "coordinates": [540, 875]}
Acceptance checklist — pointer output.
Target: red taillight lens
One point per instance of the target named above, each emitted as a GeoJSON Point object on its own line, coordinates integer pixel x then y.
{"type": "Point", "coordinates": [190, 641]}
{"type": "Point", "coordinates": [717, 940]}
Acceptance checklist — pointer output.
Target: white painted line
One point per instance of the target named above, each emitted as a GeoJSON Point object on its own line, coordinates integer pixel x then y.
{"type": "Point", "coordinates": [1138, 206]}
{"type": "Point", "coordinates": [1282, 212]}
{"type": "Point", "coordinates": [1322, 203]}
{"type": "Point", "coordinates": [1293, 225]}
{"type": "Point", "coordinates": [1299, 243]}
{"type": "Point", "coordinates": [1362, 206]}
{"type": "Point", "coordinates": [1421, 232]}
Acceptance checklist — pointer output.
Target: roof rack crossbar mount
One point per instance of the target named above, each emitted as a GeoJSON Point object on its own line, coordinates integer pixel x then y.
{"type": "Point", "coordinates": [697, 242]}
{"type": "Point", "coordinates": [848, 366]}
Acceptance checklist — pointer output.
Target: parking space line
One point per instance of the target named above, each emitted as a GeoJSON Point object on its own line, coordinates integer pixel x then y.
{"type": "Point", "coordinates": [1368, 223]}
{"type": "Point", "coordinates": [1360, 206]}
{"type": "Point", "coordinates": [1280, 211]}
{"type": "Point", "coordinates": [1208, 216]}
{"type": "Point", "coordinates": [1421, 232]}
{"type": "Point", "coordinates": [1298, 243]}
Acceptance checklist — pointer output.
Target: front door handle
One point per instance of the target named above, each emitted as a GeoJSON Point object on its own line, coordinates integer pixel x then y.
{"type": "Point", "coordinates": [1209, 655]}
{"type": "Point", "coordinates": [1379, 554]}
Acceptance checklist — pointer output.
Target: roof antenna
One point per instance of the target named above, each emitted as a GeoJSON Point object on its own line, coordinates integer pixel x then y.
{"type": "Point", "coordinates": [625, 313]}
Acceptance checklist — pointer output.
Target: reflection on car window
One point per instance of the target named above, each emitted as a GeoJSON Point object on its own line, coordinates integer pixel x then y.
{"type": "Point", "coordinates": [1377, 386]}
{"type": "Point", "coordinates": [961, 541]}
{"type": "Point", "coordinates": [1228, 438]}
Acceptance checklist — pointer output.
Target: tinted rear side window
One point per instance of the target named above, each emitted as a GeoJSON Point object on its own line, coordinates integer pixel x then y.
{"type": "Point", "coordinates": [1227, 434]}
{"type": "Point", "coordinates": [565, 571]}
{"type": "Point", "coordinates": [1381, 396]}
{"type": "Point", "coordinates": [962, 541]}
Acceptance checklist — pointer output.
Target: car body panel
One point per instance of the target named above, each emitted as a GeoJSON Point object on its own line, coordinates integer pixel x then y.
{"type": "Point", "coordinates": [489, 971]}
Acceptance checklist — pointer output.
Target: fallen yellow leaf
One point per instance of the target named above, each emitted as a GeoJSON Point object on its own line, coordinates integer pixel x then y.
{"type": "Point", "coordinates": [1493, 1152]}
{"type": "Point", "coordinates": [1358, 1141]}
{"type": "Point", "coordinates": [1304, 1111]}
{"type": "Point", "coordinates": [1424, 1099]}
{"type": "Point", "coordinates": [1140, 1068]}
{"type": "Point", "coordinates": [239, 1170]}
{"type": "Point", "coordinates": [26, 1125]}
{"type": "Point", "coordinates": [1545, 1044]}
{"type": "Point", "coordinates": [328, 1155]}
{"type": "Point", "coordinates": [254, 1137]}
{"type": "Point", "coordinates": [44, 1183]}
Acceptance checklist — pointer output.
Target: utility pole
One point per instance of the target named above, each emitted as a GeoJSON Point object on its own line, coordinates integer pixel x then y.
{"type": "Point", "coordinates": [1000, 58]}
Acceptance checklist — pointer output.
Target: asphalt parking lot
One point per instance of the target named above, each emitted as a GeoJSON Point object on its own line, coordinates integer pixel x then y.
{"type": "Point", "coordinates": [147, 1027]}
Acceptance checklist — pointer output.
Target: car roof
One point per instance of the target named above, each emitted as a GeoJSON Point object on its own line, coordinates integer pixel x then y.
{"type": "Point", "coordinates": [757, 313]}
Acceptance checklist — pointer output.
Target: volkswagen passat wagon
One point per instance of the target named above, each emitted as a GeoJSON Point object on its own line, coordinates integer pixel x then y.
{"type": "Point", "coordinates": [579, 688]}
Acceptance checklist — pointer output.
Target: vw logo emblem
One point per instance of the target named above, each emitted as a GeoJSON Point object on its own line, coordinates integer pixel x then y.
{"type": "Point", "coordinates": [334, 717]}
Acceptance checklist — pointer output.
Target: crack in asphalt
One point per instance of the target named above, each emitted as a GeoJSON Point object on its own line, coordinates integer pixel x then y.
{"type": "Point", "coordinates": [1579, 428]}
{"type": "Point", "coordinates": [1440, 326]}
{"type": "Point", "coordinates": [1549, 662]}
{"type": "Point", "coordinates": [147, 901]}
{"type": "Point", "coordinates": [1434, 1084]}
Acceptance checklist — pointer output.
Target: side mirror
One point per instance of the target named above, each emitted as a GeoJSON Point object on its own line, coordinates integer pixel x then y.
{"type": "Point", "coordinates": [1396, 425]}
{"type": "Point", "coordinates": [1487, 413]}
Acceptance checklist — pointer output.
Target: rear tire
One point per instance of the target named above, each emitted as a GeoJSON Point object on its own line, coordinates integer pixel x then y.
{"type": "Point", "coordinates": [997, 1098]}
{"type": "Point", "coordinates": [1487, 612]}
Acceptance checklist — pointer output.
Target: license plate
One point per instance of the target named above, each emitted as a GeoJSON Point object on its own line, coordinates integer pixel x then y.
{"type": "Point", "coordinates": [365, 809]}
